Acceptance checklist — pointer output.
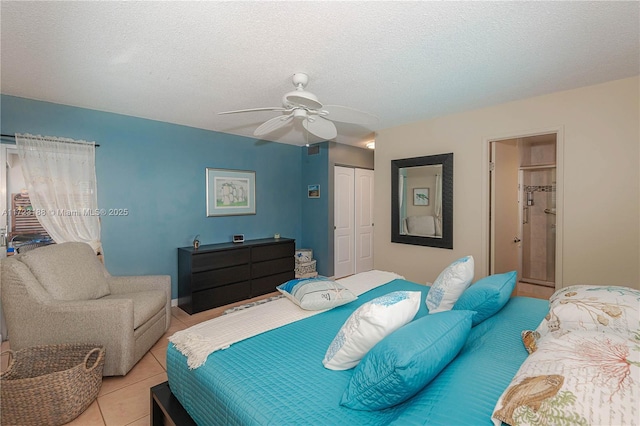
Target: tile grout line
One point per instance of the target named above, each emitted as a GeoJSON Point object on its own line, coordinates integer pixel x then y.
{"type": "Point", "coordinates": [132, 421]}
{"type": "Point", "coordinates": [104, 422]}
{"type": "Point", "coordinates": [137, 381]}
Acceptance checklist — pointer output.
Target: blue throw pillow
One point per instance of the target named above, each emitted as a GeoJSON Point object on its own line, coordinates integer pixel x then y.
{"type": "Point", "coordinates": [487, 296]}
{"type": "Point", "coordinates": [314, 294]}
{"type": "Point", "coordinates": [406, 361]}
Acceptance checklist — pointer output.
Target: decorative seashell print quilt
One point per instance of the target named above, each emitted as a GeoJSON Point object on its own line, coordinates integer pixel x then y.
{"type": "Point", "coordinates": [610, 309]}
{"type": "Point", "coordinates": [581, 378]}
{"type": "Point", "coordinates": [584, 362]}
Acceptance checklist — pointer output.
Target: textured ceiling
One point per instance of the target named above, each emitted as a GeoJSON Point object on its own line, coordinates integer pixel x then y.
{"type": "Point", "coordinates": [182, 62]}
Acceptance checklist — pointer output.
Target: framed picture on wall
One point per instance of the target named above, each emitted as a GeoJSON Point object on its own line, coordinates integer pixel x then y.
{"type": "Point", "coordinates": [230, 192]}
{"type": "Point", "coordinates": [313, 191]}
{"type": "Point", "coordinates": [420, 196]}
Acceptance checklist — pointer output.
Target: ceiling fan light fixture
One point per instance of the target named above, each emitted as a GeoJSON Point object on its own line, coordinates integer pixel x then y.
{"type": "Point", "coordinates": [299, 113]}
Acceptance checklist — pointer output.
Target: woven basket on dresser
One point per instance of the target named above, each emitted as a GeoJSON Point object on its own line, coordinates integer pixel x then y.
{"type": "Point", "coordinates": [50, 385]}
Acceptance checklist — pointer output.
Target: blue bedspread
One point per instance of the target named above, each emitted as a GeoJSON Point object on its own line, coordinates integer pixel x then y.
{"type": "Point", "coordinates": [277, 378]}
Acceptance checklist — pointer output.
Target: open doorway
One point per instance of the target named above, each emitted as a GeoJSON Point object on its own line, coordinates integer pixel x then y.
{"type": "Point", "coordinates": [523, 211]}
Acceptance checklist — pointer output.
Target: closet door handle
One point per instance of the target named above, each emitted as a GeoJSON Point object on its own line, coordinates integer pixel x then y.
{"type": "Point", "coordinates": [516, 240]}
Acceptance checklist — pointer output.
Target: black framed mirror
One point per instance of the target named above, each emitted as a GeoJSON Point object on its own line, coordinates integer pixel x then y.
{"type": "Point", "coordinates": [422, 201]}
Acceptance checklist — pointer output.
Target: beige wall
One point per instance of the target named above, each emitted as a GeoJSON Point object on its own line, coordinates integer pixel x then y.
{"type": "Point", "coordinates": [599, 136]}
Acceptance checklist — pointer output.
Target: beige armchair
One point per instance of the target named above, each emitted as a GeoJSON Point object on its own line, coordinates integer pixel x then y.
{"type": "Point", "coordinates": [423, 226]}
{"type": "Point", "coordinates": [62, 293]}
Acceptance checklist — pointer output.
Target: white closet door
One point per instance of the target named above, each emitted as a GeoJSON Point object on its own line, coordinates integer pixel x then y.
{"type": "Point", "coordinates": [364, 220]}
{"type": "Point", "coordinates": [344, 215]}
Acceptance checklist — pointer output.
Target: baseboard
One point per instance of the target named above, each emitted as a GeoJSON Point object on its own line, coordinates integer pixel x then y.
{"type": "Point", "coordinates": [174, 302]}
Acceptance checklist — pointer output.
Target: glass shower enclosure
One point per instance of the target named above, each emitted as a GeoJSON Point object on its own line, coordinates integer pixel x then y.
{"type": "Point", "coordinates": [538, 201]}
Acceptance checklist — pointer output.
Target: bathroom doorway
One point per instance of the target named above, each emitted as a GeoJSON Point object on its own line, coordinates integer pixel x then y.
{"type": "Point", "coordinates": [523, 211]}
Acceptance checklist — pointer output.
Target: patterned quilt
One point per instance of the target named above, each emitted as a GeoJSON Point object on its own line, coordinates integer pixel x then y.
{"type": "Point", "coordinates": [584, 367]}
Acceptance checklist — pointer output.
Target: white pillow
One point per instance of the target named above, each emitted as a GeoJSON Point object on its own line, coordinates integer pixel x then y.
{"type": "Point", "coordinates": [314, 294]}
{"type": "Point", "coordinates": [368, 325]}
{"type": "Point", "coordinates": [450, 285]}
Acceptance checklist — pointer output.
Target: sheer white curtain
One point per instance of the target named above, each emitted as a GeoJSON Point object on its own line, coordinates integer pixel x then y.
{"type": "Point", "coordinates": [437, 205]}
{"type": "Point", "coordinates": [61, 177]}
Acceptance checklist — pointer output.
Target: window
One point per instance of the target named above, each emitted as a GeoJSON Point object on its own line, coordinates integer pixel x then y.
{"type": "Point", "coordinates": [24, 219]}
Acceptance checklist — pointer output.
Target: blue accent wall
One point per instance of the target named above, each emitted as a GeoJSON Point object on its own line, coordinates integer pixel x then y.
{"type": "Point", "coordinates": [315, 211]}
{"type": "Point", "coordinates": [156, 170]}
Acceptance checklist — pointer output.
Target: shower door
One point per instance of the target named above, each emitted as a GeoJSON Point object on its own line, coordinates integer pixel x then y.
{"type": "Point", "coordinates": [538, 247]}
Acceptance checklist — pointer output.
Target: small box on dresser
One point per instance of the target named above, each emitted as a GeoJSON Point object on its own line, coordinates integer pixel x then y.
{"type": "Point", "coordinates": [218, 274]}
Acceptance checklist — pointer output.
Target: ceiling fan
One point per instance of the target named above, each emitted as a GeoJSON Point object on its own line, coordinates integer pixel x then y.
{"type": "Point", "coordinates": [316, 118]}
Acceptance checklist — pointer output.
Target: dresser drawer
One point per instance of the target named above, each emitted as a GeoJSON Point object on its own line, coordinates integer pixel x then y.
{"type": "Point", "coordinates": [274, 251]}
{"type": "Point", "coordinates": [268, 284]}
{"type": "Point", "coordinates": [219, 259]}
{"type": "Point", "coordinates": [271, 267]}
{"type": "Point", "coordinates": [219, 296]}
{"type": "Point", "coordinates": [220, 277]}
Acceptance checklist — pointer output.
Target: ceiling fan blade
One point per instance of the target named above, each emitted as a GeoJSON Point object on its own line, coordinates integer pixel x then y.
{"type": "Point", "coordinates": [345, 114]}
{"type": "Point", "coordinates": [304, 98]}
{"type": "Point", "coordinates": [273, 124]}
{"type": "Point", "coordinates": [320, 127]}
{"type": "Point", "coordinates": [255, 109]}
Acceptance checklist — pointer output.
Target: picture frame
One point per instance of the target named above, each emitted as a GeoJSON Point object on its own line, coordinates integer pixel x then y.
{"type": "Point", "coordinates": [313, 191]}
{"type": "Point", "coordinates": [230, 192]}
{"type": "Point", "coordinates": [420, 196]}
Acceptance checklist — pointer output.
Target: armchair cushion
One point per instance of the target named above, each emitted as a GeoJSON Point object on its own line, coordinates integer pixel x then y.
{"type": "Point", "coordinates": [68, 271]}
{"type": "Point", "coordinates": [145, 304]}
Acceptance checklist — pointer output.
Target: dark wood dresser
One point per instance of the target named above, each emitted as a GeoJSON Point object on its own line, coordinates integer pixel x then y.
{"type": "Point", "coordinates": [218, 274]}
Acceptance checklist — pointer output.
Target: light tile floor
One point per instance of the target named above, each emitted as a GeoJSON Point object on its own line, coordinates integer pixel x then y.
{"type": "Point", "coordinates": [533, 290]}
{"type": "Point", "coordinates": [124, 401]}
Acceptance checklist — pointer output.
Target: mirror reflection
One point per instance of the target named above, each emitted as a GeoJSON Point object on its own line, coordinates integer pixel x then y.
{"type": "Point", "coordinates": [422, 201]}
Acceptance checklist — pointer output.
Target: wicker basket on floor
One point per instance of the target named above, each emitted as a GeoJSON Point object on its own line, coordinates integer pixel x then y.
{"type": "Point", "coordinates": [50, 385]}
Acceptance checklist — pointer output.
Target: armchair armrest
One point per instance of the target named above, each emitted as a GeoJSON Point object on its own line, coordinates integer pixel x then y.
{"type": "Point", "coordinates": [130, 284]}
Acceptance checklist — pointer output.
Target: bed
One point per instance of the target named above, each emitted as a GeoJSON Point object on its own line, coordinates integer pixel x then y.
{"type": "Point", "coordinates": [277, 377]}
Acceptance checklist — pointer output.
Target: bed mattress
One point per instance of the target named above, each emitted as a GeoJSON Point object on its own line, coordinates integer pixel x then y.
{"type": "Point", "coordinates": [277, 378]}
